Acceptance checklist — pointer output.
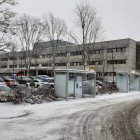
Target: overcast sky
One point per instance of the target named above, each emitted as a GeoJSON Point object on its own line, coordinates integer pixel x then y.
{"type": "Point", "coordinates": [120, 18]}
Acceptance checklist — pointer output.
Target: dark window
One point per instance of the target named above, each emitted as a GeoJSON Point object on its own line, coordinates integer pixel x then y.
{"type": "Point", "coordinates": [13, 58]}
{"type": "Point", "coordinates": [22, 66]}
{"type": "Point", "coordinates": [46, 65]}
{"type": "Point", "coordinates": [4, 59]}
{"type": "Point", "coordinates": [98, 51]}
{"type": "Point", "coordinates": [109, 50]}
{"type": "Point", "coordinates": [12, 66]}
{"type": "Point", "coordinates": [60, 54]}
{"type": "Point", "coordinates": [60, 64]}
{"type": "Point", "coordinates": [75, 63]}
{"type": "Point", "coordinates": [43, 55]}
{"type": "Point", "coordinates": [48, 55]}
{"type": "Point", "coordinates": [34, 65]}
{"type": "Point", "coordinates": [4, 66]}
{"type": "Point", "coordinates": [75, 53]}
{"type": "Point", "coordinates": [119, 50]}
{"type": "Point", "coordinates": [95, 63]}
{"type": "Point", "coordinates": [116, 61]}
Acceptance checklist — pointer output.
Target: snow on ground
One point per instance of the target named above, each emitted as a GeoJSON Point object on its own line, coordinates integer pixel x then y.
{"type": "Point", "coordinates": [27, 122]}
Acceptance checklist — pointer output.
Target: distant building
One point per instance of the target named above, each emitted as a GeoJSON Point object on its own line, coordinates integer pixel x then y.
{"type": "Point", "coordinates": [105, 57]}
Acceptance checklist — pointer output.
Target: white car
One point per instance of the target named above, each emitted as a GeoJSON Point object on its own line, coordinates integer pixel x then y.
{"type": "Point", "coordinates": [39, 83]}
{"type": "Point", "coordinates": [49, 81]}
{"type": "Point", "coordinates": [36, 83]}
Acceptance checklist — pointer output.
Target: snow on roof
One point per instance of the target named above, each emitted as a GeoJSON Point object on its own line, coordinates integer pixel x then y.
{"type": "Point", "coordinates": [74, 71]}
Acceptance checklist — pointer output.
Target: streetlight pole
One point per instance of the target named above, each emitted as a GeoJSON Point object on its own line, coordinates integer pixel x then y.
{"type": "Point", "coordinates": [113, 64]}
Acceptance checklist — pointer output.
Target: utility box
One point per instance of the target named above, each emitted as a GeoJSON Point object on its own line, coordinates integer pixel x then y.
{"type": "Point", "coordinates": [69, 82]}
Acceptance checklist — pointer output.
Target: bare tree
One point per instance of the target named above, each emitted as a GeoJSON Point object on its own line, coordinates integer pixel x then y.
{"type": "Point", "coordinates": [89, 28]}
{"type": "Point", "coordinates": [29, 32]}
{"type": "Point", "coordinates": [6, 15]}
{"type": "Point", "coordinates": [56, 29]}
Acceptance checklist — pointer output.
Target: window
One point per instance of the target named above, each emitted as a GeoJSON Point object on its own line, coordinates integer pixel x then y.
{"type": "Point", "coordinates": [12, 66]}
{"type": "Point", "coordinates": [95, 63]}
{"type": "Point", "coordinates": [48, 55]}
{"type": "Point", "coordinates": [60, 64]}
{"type": "Point", "coordinates": [36, 56]}
{"type": "Point", "coordinates": [4, 59]}
{"type": "Point", "coordinates": [71, 76]}
{"type": "Point", "coordinates": [4, 66]}
{"type": "Point", "coordinates": [98, 51]}
{"type": "Point", "coordinates": [34, 65]}
{"type": "Point", "coordinates": [75, 63]}
{"type": "Point", "coordinates": [119, 50]}
{"type": "Point", "coordinates": [46, 65]}
{"type": "Point", "coordinates": [75, 53]}
{"type": "Point", "coordinates": [43, 55]}
{"type": "Point", "coordinates": [109, 50]}
{"type": "Point", "coordinates": [60, 54]}
{"type": "Point", "coordinates": [13, 58]}
{"type": "Point", "coordinates": [116, 61]}
{"type": "Point", "coordinates": [22, 66]}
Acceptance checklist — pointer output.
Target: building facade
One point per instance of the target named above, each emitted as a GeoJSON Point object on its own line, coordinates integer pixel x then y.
{"type": "Point", "coordinates": [105, 58]}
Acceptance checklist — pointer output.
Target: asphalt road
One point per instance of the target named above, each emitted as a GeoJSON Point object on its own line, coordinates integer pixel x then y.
{"type": "Point", "coordinates": [107, 122]}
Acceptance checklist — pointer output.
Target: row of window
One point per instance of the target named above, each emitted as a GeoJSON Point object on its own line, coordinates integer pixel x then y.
{"type": "Point", "coordinates": [71, 64]}
{"type": "Point", "coordinates": [116, 50]}
{"type": "Point", "coordinates": [46, 55]}
{"type": "Point", "coordinates": [75, 63]}
{"type": "Point", "coordinates": [95, 63]}
{"type": "Point", "coordinates": [50, 55]}
{"type": "Point", "coordinates": [100, 51]}
{"type": "Point", "coordinates": [106, 74]}
{"type": "Point", "coordinates": [116, 61]}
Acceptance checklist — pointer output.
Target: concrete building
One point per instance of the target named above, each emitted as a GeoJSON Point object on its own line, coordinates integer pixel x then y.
{"type": "Point", "coordinates": [105, 57]}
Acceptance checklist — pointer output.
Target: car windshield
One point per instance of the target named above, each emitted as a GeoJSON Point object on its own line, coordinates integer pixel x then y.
{"type": "Point", "coordinates": [4, 88]}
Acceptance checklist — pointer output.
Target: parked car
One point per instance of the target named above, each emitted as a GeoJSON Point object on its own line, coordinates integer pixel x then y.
{"type": "Point", "coordinates": [49, 81]}
{"type": "Point", "coordinates": [5, 91]}
{"type": "Point", "coordinates": [11, 83]}
{"type": "Point", "coordinates": [42, 76]}
{"type": "Point", "coordinates": [24, 80]}
{"type": "Point", "coordinates": [39, 83]}
{"type": "Point", "coordinates": [36, 83]}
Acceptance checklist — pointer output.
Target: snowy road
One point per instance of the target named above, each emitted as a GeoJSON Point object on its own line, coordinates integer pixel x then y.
{"type": "Point", "coordinates": [109, 117]}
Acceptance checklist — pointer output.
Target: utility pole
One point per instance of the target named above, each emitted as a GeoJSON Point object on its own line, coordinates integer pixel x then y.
{"type": "Point", "coordinates": [113, 64]}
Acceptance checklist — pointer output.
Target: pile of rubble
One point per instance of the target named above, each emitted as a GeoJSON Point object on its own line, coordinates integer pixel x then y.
{"type": "Point", "coordinates": [33, 96]}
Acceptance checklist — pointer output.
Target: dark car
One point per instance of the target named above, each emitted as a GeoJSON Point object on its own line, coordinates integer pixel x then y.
{"type": "Point", "coordinates": [24, 80]}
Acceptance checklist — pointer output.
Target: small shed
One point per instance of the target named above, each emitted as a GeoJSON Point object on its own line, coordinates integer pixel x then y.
{"type": "Point", "coordinates": [128, 81]}
{"type": "Point", "coordinates": [69, 82]}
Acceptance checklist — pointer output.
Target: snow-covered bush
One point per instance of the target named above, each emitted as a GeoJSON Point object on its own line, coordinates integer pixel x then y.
{"type": "Point", "coordinates": [33, 96]}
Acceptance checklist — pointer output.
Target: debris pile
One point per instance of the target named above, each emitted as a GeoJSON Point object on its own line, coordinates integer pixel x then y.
{"type": "Point", "coordinates": [33, 96]}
